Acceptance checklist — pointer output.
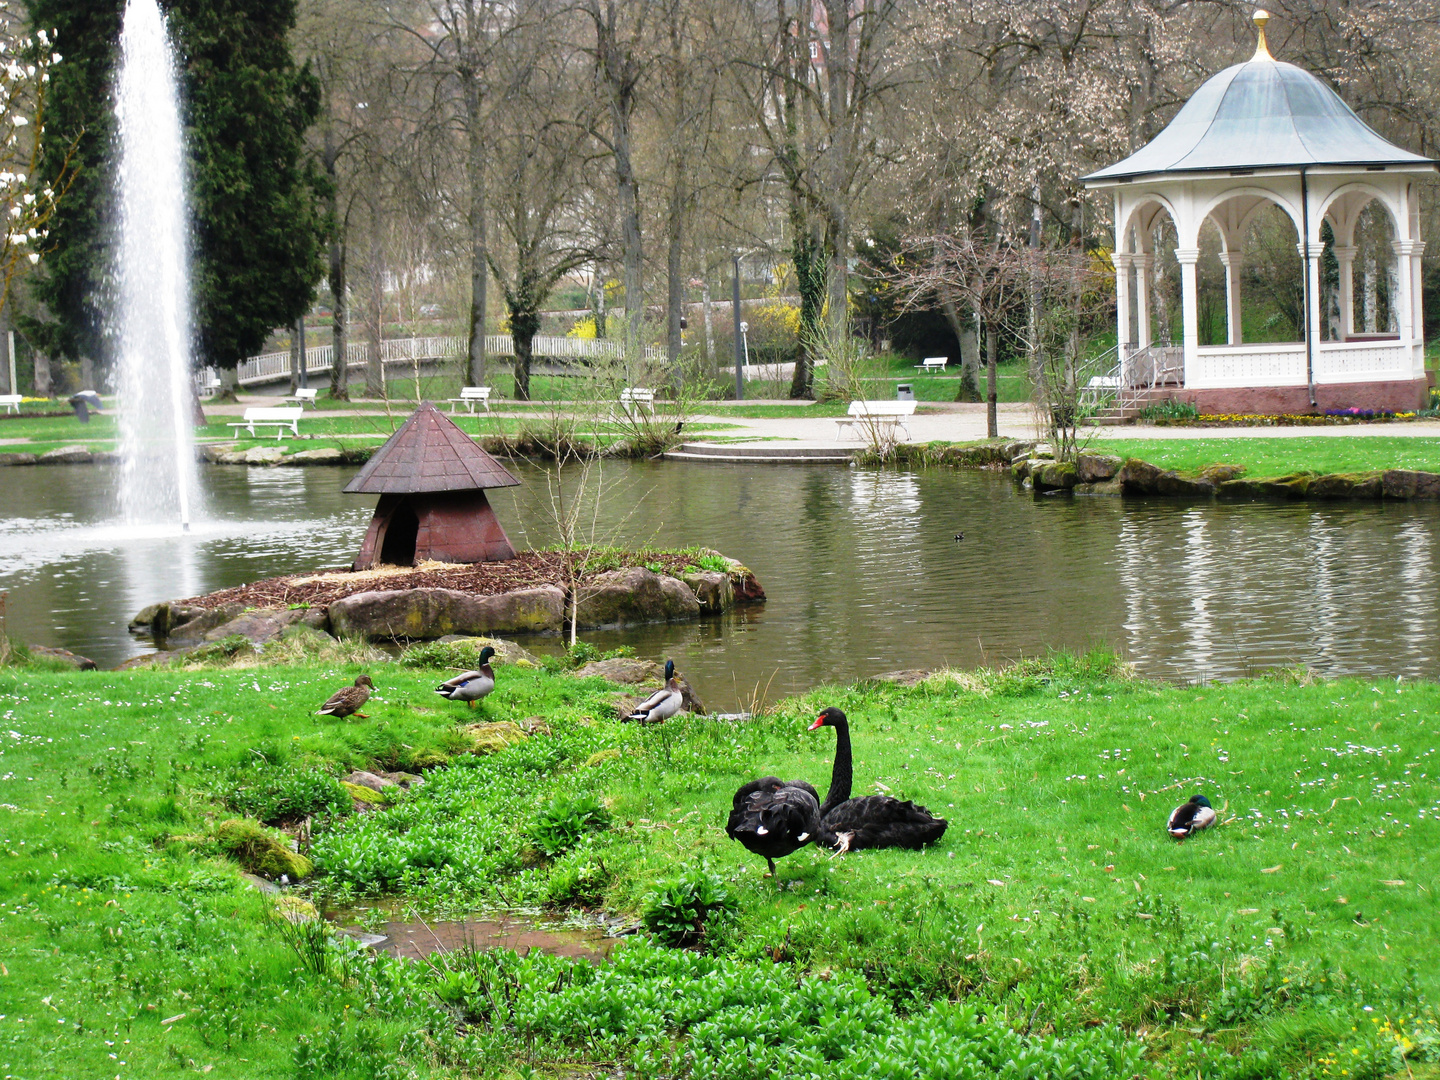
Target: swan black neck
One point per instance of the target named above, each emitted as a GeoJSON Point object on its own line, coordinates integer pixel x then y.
{"type": "Point", "coordinates": [841, 774]}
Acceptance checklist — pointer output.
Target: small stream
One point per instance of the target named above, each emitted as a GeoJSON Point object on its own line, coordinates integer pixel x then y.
{"type": "Point", "coordinates": [861, 567]}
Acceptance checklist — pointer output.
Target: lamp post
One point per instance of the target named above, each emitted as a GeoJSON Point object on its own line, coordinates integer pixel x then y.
{"type": "Point", "coordinates": [739, 336]}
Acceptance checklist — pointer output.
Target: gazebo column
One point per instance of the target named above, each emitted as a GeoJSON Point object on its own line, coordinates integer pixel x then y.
{"type": "Point", "coordinates": [1123, 323]}
{"type": "Point", "coordinates": [1407, 258]}
{"type": "Point", "coordinates": [1314, 315]}
{"type": "Point", "coordinates": [1144, 266]}
{"type": "Point", "coordinates": [1232, 261]}
{"type": "Point", "coordinates": [1345, 256]}
{"type": "Point", "coordinates": [1189, 305]}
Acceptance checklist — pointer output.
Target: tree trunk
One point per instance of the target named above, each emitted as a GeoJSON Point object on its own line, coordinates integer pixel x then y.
{"type": "Point", "coordinates": [375, 323]}
{"type": "Point", "coordinates": [524, 325]}
{"type": "Point", "coordinates": [479, 240]}
{"type": "Point", "coordinates": [42, 374]}
{"type": "Point", "coordinates": [707, 312]}
{"type": "Point", "coordinates": [992, 396]}
{"type": "Point", "coordinates": [229, 384]}
{"type": "Point", "coordinates": [969, 358]}
{"type": "Point", "coordinates": [297, 358]}
{"type": "Point", "coordinates": [674, 283]}
{"type": "Point", "coordinates": [808, 257]}
{"type": "Point", "coordinates": [339, 330]}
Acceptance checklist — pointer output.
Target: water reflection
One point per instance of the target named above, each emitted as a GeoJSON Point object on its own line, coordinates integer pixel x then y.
{"type": "Point", "coordinates": [861, 566]}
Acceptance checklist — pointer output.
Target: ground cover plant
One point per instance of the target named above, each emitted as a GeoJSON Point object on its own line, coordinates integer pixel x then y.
{"type": "Point", "coordinates": [1344, 452]}
{"type": "Point", "coordinates": [1055, 931]}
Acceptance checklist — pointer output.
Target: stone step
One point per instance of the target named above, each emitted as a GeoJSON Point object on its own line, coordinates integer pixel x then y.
{"type": "Point", "coordinates": [760, 455]}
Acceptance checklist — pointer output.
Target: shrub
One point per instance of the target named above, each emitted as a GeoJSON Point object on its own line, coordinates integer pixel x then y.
{"type": "Point", "coordinates": [563, 821]}
{"type": "Point", "coordinates": [1170, 409]}
{"type": "Point", "coordinates": [285, 794]}
{"type": "Point", "coordinates": [686, 910]}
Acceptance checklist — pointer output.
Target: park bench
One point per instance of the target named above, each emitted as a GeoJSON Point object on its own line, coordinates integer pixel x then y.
{"type": "Point", "coordinates": [636, 398]}
{"type": "Point", "coordinates": [932, 363]}
{"type": "Point", "coordinates": [278, 418]}
{"type": "Point", "coordinates": [304, 394]}
{"type": "Point", "coordinates": [209, 383]}
{"type": "Point", "coordinates": [881, 414]}
{"type": "Point", "coordinates": [469, 396]}
{"type": "Point", "coordinates": [11, 402]}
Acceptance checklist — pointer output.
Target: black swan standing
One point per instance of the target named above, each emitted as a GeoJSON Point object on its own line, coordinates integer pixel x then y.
{"type": "Point", "coordinates": [773, 817]}
{"type": "Point", "coordinates": [870, 821]}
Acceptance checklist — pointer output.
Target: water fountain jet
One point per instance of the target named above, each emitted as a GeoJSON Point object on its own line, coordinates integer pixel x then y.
{"type": "Point", "coordinates": [158, 475]}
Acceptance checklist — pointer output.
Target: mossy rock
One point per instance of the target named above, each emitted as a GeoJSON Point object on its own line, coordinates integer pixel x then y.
{"type": "Point", "coordinates": [492, 738]}
{"type": "Point", "coordinates": [601, 756]}
{"type": "Point", "coordinates": [259, 850]}
{"type": "Point", "coordinates": [1367, 485]}
{"type": "Point", "coordinates": [362, 794]}
{"type": "Point", "coordinates": [461, 652]}
{"type": "Point", "coordinates": [424, 759]}
{"type": "Point", "coordinates": [293, 909]}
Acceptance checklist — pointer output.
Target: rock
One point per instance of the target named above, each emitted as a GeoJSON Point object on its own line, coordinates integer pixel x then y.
{"type": "Point", "coordinates": [1172, 483]}
{"type": "Point", "coordinates": [536, 725]}
{"type": "Point", "coordinates": [427, 759]}
{"type": "Point", "coordinates": [433, 613]}
{"type": "Point", "coordinates": [1013, 450]}
{"type": "Point", "coordinates": [295, 909]}
{"type": "Point", "coordinates": [601, 756]}
{"type": "Point", "coordinates": [506, 652]}
{"type": "Point", "coordinates": [160, 619]}
{"type": "Point", "coordinates": [370, 780]}
{"type": "Point", "coordinates": [365, 798]}
{"type": "Point", "coordinates": [1270, 487]}
{"type": "Point", "coordinates": [1102, 487]}
{"type": "Point", "coordinates": [905, 677]}
{"type": "Point", "coordinates": [1139, 477]}
{"type": "Point", "coordinates": [1409, 484]}
{"type": "Point", "coordinates": [1347, 486]}
{"type": "Point", "coordinates": [1021, 467]}
{"type": "Point", "coordinates": [324, 456]}
{"type": "Point", "coordinates": [263, 455]}
{"type": "Point", "coordinates": [1219, 474]}
{"type": "Point", "coordinates": [63, 656]}
{"type": "Point", "coordinates": [195, 628]}
{"type": "Point", "coordinates": [492, 738]}
{"type": "Point", "coordinates": [67, 455]}
{"type": "Point", "coordinates": [154, 659]}
{"type": "Point", "coordinates": [646, 674]}
{"type": "Point", "coordinates": [260, 625]}
{"type": "Point", "coordinates": [635, 595]}
{"type": "Point", "coordinates": [17, 459]}
{"type": "Point", "coordinates": [269, 888]}
{"type": "Point", "coordinates": [214, 455]}
{"type": "Point", "coordinates": [105, 457]}
{"type": "Point", "coordinates": [1096, 467]}
{"type": "Point", "coordinates": [259, 851]}
{"type": "Point", "coordinates": [1055, 475]}
{"type": "Point", "coordinates": [713, 590]}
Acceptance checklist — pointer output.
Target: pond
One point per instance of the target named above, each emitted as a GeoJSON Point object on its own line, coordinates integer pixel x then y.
{"type": "Point", "coordinates": [862, 568]}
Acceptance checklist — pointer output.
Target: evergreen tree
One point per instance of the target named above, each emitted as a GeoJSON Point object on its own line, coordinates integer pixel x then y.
{"type": "Point", "coordinates": [256, 198]}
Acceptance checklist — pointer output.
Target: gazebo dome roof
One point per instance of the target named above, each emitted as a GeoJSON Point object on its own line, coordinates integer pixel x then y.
{"type": "Point", "coordinates": [1262, 114]}
{"type": "Point", "coordinates": [429, 453]}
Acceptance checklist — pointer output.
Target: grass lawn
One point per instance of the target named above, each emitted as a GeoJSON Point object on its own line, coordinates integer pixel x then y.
{"type": "Point", "coordinates": [1278, 457]}
{"type": "Point", "coordinates": [1055, 931]}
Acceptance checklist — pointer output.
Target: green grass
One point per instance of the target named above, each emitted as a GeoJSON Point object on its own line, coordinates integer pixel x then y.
{"type": "Point", "coordinates": [1055, 901]}
{"type": "Point", "coordinates": [1280, 456]}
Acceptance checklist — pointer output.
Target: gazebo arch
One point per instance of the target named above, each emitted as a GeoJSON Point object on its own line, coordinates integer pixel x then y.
{"type": "Point", "coordinates": [1261, 132]}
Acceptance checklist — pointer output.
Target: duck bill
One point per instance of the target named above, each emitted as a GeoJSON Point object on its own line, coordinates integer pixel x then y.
{"type": "Point", "coordinates": [819, 723]}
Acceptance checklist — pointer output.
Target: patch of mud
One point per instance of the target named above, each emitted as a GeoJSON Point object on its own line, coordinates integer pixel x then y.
{"type": "Point", "coordinates": [521, 933]}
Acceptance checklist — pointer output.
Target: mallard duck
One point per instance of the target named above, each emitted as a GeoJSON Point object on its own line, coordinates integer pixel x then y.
{"type": "Point", "coordinates": [471, 686]}
{"type": "Point", "coordinates": [774, 818]}
{"type": "Point", "coordinates": [347, 702]}
{"type": "Point", "coordinates": [664, 703]}
{"type": "Point", "coordinates": [1194, 814]}
{"type": "Point", "coordinates": [870, 821]}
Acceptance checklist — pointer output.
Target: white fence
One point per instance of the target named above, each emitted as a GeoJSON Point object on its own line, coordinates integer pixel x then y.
{"type": "Point", "coordinates": [275, 366]}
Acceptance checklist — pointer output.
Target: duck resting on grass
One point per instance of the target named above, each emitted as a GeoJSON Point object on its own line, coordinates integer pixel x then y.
{"type": "Point", "coordinates": [773, 818]}
{"type": "Point", "coordinates": [1194, 814]}
{"type": "Point", "coordinates": [347, 701]}
{"type": "Point", "coordinates": [471, 686]}
{"type": "Point", "coordinates": [870, 821]}
{"type": "Point", "coordinates": [664, 703]}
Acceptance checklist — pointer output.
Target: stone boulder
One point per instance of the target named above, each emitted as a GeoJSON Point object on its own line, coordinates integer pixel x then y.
{"type": "Point", "coordinates": [67, 455]}
{"type": "Point", "coordinates": [1170, 482]}
{"type": "Point", "coordinates": [159, 619]}
{"type": "Point", "coordinates": [324, 456]}
{"type": "Point", "coordinates": [907, 677]}
{"type": "Point", "coordinates": [635, 595]}
{"type": "Point", "coordinates": [1094, 468]}
{"type": "Point", "coordinates": [195, 628]}
{"type": "Point", "coordinates": [431, 613]}
{"type": "Point", "coordinates": [62, 656]}
{"type": "Point", "coordinates": [492, 738]}
{"type": "Point", "coordinates": [1100, 487]}
{"type": "Point", "coordinates": [213, 455]}
{"type": "Point", "coordinates": [1293, 486]}
{"type": "Point", "coordinates": [1140, 477]}
{"type": "Point", "coordinates": [262, 625]}
{"type": "Point", "coordinates": [1218, 474]}
{"type": "Point", "coordinates": [17, 459]}
{"type": "Point", "coordinates": [1055, 476]}
{"type": "Point", "coordinates": [1347, 486]}
{"type": "Point", "coordinates": [263, 455]}
{"type": "Point", "coordinates": [713, 590]}
{"type": "Point", "coordinates": [1409, 484]}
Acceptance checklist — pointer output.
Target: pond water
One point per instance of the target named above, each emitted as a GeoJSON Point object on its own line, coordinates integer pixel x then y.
{"type": "Point", "coordinates": [861, 567]}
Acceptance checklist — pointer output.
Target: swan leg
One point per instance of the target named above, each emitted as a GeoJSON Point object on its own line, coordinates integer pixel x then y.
{"type": "Point", "coordinates": [843, 846]}
{"type": "Point", "coordinates": [772, 866]}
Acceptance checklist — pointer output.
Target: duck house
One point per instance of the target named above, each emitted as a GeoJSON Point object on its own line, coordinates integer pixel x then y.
{"type": "Point", "coordinates": [431, 478]}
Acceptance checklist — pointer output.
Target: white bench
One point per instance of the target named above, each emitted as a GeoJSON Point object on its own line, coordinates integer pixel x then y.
{"type": "Point", "coordinates": [469, 395]}
{"type": "Point", "coordinates": [11, 402]}
{"type": "Point", "coordinates": [933, 363]}
{"type": "Point", "coordinates": [303, 394]}
{"type": "Point", "coordinates": [278, 418]}
{"type": "Point", "coordinates": [634, 398]}
{"type": "Point", "coordinates": [889, 414]}
{"type": "Point", "coordinates": [209, 383]}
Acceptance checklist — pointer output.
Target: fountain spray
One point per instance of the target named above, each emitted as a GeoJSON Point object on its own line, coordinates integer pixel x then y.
{"type": "Point", "coordinates": [158, 476]}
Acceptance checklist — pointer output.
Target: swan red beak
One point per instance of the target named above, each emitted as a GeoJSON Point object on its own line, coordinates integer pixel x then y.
{"type": "Point", "coordinates": [819, 723]}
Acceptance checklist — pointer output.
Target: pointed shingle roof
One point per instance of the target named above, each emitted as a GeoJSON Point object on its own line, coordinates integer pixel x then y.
{"type": "Point", "coordinates": [429, 453]}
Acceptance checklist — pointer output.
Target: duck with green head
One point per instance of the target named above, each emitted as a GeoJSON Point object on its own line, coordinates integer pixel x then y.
{"type": "Point", "coordinates": [664, 703]}
{"type": "Point", "coordinates": [471, 686]}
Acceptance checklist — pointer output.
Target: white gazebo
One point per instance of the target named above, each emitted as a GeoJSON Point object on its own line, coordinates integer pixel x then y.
{"type": "Point", "coordinates": [1265, 133]}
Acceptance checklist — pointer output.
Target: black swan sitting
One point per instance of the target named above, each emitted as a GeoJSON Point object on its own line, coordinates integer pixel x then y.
{"type": "Point", "coordinates": [871, 821]}
{"type": "Point", "coordinates": [774, 818]}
